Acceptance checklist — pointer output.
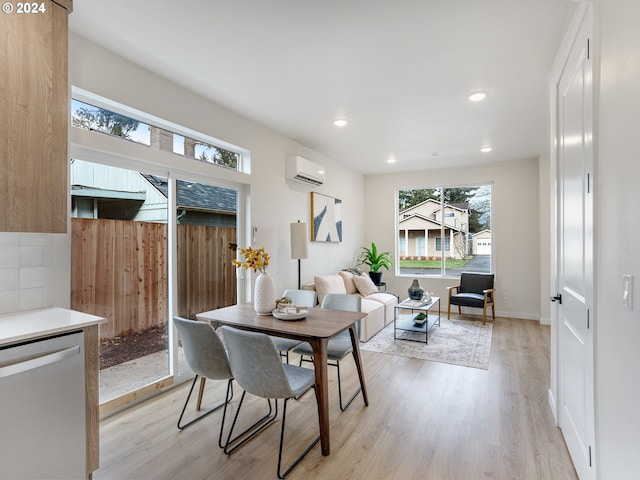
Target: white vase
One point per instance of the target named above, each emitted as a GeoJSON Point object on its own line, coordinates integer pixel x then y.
{"type": "Point", "coordinates": [264, 296]}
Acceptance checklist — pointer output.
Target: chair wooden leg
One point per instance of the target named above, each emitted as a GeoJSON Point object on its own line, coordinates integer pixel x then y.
{"type": "Point", "coordinates": [200, 393]}
{"type": "Point", "coordinates": [449, 311]}
{"type": "Point", "coordinates": [493, 311]}
{"type": "Point", "coordinates": [459, 310]}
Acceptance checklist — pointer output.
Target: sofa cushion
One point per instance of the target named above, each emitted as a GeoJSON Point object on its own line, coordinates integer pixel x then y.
{"type": "Point", "coordinates": [374, 321]}
{"type": "Point", "coordinates": [364, 285]}
{"type": "Point", "coordinates": [328, 284]}
{"type": "Point", "coordinates": [347, 278]}
{"type": "Point", "coordinates": [389, 301]}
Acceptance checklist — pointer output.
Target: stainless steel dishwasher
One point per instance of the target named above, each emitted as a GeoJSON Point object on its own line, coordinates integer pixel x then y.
{"type": "Point", "coordinates": [42, 409]}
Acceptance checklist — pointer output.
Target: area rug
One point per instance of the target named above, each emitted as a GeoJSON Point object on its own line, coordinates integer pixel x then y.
{"type": "Point", "coordinates": [458, 342]}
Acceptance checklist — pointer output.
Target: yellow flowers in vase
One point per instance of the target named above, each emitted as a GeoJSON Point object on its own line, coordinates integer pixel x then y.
{"type": "Point", "coordinates": [255, 259]}
{"type": "Point", "coordinates": [264, 294]}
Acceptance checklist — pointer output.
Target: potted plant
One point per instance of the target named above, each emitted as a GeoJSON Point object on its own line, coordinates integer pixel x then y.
{"type": "Point", "coordinates": [375, 260]}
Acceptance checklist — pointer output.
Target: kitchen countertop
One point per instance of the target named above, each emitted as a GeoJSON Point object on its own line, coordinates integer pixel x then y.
{"type": "Point", "coordinates": [42, 322]}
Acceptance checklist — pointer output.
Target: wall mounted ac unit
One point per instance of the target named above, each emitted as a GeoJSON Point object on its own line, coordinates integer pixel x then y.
{"type": "Point", "coordinates": [304, 171]}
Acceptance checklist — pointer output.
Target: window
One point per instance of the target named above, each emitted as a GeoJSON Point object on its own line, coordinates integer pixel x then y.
{"type": "Point", "coordinates": [459, 215]}
{"type": "Point", "coordinates": [105, 121]}
{"type": "Point", "coordinates": [447, 244]}
{"type": "Point", "coordinates": [102, 120]}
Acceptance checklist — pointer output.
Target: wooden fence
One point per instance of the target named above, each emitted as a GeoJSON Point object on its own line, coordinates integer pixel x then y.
{"type": "Point", "coordinates": [206, 276]}
{"type": "Point", "coordinates": [119, 271]}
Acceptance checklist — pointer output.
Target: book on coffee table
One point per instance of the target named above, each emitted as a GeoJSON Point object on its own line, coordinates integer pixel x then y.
{"type": "Point", "coordinates": [414, 303]}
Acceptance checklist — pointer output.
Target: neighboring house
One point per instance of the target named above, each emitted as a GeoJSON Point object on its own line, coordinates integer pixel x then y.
{"type": "Point", "coordinates": [481, 243]}
{"type": "Point", "coordinates": [200, 204]}
{"type": "Point", "coordinates": [100, 191]}
{"type": "Point", "coordinates": [421, 230]}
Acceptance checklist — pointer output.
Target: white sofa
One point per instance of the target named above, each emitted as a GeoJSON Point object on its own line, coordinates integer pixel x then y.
{"type": "Point", "coordinates": [377, 305]}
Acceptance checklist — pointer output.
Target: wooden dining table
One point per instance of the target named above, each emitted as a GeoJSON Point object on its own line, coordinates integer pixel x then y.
{"type": "Point", "coordinates": [317, 328]}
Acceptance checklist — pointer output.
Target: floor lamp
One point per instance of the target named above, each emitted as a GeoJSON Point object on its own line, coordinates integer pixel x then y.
{"type": "Point", "coordinates": [298, 243]}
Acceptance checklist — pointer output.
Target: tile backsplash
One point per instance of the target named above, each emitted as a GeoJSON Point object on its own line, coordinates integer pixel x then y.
{"type": "Point", "coordinates": [34, 271]}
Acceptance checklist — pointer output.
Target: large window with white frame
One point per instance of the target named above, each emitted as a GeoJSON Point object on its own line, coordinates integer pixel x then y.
{"type": "Point", "coordinates": [165, 238]}
{"type": "Point", "coordinates": [443, 231]}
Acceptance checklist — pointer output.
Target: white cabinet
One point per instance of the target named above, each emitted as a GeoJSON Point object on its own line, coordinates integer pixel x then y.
{"type": "Point", "coordinates": [43, 409]}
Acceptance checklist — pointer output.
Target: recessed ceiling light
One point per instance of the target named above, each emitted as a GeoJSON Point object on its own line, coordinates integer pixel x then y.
{"type": "Point", "coordinates": [340, 122]}
{"type": "Point", "coordinates": [391, 160]}
{"type": "Point", "coordinates": [486, 149]}
{"type": "Point", "coordinates": [477, 96]}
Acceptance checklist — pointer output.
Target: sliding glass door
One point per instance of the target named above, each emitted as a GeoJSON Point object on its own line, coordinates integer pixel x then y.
{"type": "Point", "coordinates": [147, 247]}
{"type": "Point", "coordinates": [206, 232]}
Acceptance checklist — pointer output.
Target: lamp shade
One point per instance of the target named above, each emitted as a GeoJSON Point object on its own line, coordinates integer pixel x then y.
{"type": "Point", "coordinates": [299, 240]}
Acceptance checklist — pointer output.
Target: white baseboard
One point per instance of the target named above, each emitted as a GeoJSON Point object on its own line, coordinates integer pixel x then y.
{"type": "Point", "coordinates": [477, 312]}
{"type": "Point", "coordinates": [518, 315]}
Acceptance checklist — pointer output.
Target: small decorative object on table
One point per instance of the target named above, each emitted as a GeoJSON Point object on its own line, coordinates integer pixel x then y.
{"type": "Point", "coordinates": [264, 295]}
{"type": "Point", "coordinates": [416, 292]}
{"type": "Point", "coordinates": [420, 318]}
{"type": "Point", "coordinates": [289, 311]}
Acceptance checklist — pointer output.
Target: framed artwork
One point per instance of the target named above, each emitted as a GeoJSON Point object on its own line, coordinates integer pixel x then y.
{"type": "Point", "coordinates": [326, 218]}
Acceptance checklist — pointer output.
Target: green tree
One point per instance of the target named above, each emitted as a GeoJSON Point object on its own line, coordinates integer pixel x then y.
{"type": "Point", "coordinates": [219, 156]}
{"type": "Point", "coordinates": [410, 198]}
{"type": "Point", "coordinates": [104, 121]}
{"type": "Point", "coordinates": [226, 158]}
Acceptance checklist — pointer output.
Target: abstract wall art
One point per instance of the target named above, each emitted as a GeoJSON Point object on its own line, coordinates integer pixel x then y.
{"type": "Point", "coordinates": [326, 218]}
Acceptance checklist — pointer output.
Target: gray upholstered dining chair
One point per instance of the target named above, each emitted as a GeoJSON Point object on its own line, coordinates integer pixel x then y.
{"type": "Point", "coordinates": [303, 298]}
{"type": "Point", "coordinates": [257, 368]}
{"type": "Point", "coordinates": [339, 346]}
{"type": "Point", "coordinates": [474, 290]}
{"type": "Point", "coordinates": [207, 357]}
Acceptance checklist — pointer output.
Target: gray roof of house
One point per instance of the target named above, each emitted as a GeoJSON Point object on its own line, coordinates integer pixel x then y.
{"type": "Point", "coordinates": [197, 196]}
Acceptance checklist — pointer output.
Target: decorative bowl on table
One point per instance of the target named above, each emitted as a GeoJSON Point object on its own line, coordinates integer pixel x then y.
{"type": "Point", "coordinates": [420, 318]}
{"type": "Point", "coordinates": [290, 312]}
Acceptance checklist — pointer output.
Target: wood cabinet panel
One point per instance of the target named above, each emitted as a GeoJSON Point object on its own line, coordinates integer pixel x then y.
{"type": "Point", "coordinates": [92, 393]}
{"type": "Point", "coordinates": [34, 118]}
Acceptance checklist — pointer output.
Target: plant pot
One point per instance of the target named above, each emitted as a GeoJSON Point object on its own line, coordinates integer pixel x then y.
{"type": "Point", "coordinates": [376, 277]}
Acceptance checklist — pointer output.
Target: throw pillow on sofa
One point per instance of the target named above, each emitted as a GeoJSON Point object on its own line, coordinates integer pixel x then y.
{"type": "Point", "coordinates": [347, 277]}
{"type": "Point", "coordinates": [364, 285]}
{"type": "Point", "coordinates": [328, 284]}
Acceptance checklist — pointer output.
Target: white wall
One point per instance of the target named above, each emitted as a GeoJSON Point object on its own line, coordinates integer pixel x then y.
{"type": "Point", "coordinates": [618, 240]}
{"type": "Point", "coordinates": [514, 231]}
{"type": "Point", "coordinates": [544, 197]}
{"type": "Point", "coordinates": [273, 203]}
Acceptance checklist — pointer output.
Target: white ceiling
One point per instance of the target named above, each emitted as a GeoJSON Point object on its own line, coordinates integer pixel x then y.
{"type": "Point", "coordinates": [398, 70]}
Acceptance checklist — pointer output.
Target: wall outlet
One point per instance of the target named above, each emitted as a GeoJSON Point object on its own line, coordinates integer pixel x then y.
{"type": "Point", "coordinates": [505, 296]}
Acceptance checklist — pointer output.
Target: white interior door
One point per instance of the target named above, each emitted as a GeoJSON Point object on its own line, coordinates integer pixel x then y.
{"type": "Point", "coordinates": [575, 268]}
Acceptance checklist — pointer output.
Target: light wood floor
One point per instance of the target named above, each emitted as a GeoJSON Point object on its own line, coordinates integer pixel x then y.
{"type": "Point", "coordinates": [426, 420]}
